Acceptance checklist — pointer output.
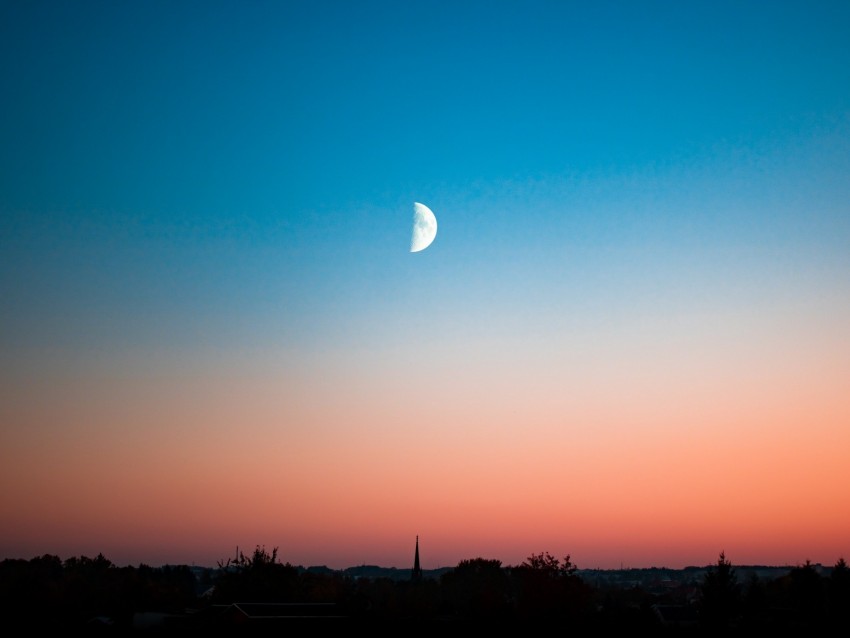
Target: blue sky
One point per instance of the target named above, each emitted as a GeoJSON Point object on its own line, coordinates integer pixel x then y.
{"type": "Point", "coordinates": [200, 158]}
{"type": "Point", "coordinates": [187, 185]}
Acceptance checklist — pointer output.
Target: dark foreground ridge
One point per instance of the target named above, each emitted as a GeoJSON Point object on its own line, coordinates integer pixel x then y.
{"type": "Point", "coordinates": [258, 594]}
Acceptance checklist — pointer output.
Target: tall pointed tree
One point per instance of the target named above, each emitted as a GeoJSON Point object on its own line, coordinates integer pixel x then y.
{"type": "Point", "coordinates": [720, 594]}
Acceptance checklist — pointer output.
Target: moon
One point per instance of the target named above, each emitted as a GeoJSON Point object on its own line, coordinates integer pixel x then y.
{"type": "Point", "coordinates": [424, 228]}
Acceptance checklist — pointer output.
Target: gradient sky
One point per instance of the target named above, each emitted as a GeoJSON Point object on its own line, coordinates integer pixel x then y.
{"type": "Point", "coordinates": [629, 342]}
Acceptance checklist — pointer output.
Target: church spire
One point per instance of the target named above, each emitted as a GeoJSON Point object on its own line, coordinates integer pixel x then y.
{"type": "Point", "coordinates": [416, 574]}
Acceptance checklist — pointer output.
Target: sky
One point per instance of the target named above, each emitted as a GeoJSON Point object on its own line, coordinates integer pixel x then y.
{"type": "Point", "coordinates": [629, 341]}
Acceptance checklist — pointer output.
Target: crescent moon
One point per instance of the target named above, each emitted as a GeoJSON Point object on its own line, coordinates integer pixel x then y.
{"type": "Point", "coordinates": [424, 228]}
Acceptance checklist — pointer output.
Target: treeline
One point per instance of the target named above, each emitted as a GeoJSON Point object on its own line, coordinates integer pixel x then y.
{"type": "Point", "coordinates": [81, 593]}
{"type": "Point", "coordinates": [49, 593]}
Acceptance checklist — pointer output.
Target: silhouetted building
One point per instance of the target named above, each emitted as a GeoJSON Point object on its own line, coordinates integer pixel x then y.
{"type": "Point", "coordinates": [261, 618]}
{"type": "Point", "coordinates": [416, 574]}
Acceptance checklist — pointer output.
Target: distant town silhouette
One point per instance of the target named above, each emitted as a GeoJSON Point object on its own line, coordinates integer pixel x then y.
{"type": "Point", "coordinates": [258, 593]}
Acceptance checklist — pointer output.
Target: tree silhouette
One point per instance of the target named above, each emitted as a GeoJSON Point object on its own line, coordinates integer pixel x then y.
{"type": "Point", "coordinates": [839, 593]}
{"type": "Point", "coordinates": [754, 601]}
{"type": "Point", "coordinates": [260, 577]}
{"type": "Point", "coordinates": [551, 566]}
{"type": "Point", "coordinates": [476, 588]}
{"type": "Point", "coordinates": [720, 594]}
{"type": "Point", "coordinates": [807, 592]}
{"type": "Point", "coordinates": [547, 588]}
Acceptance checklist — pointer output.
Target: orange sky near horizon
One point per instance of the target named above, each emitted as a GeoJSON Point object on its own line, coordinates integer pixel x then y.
{"type": "Point", "coordinates": [635, 459]}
